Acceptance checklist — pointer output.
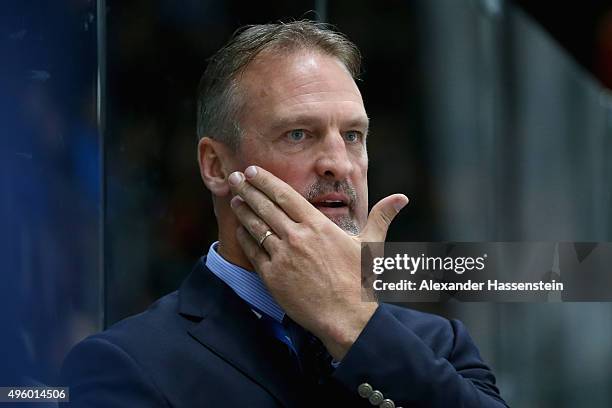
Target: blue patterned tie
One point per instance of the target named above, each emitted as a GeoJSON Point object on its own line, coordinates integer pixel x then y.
{"type": "Point", "coordinates": [309, 353]}
{"type": "Point", "coordinates": [314, 360]}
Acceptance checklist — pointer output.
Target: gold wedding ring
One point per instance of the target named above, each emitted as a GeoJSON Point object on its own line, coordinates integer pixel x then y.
{"type": "Point", "coordinates": [263, 238]}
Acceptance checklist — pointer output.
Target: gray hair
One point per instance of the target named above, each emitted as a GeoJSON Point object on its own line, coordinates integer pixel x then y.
{"type": "Point", "coordinates": [219, 97]}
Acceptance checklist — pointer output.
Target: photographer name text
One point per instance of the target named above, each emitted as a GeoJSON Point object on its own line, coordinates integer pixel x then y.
{"type": "Point", "coordinates": [469, 285]}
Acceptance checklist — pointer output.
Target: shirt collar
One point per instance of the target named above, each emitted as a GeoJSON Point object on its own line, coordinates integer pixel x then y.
{"type": "Point", "coordinates": [247, 284]}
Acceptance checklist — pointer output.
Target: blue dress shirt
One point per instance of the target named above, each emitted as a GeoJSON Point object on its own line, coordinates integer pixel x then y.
{"type": "Point", "coordinates": [247, 285]}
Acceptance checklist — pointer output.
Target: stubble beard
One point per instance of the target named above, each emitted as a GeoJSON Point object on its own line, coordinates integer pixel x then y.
{"type": "Point", "coordinates": [345, 222]}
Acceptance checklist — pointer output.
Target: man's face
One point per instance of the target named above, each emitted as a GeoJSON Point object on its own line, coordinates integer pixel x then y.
{"type": "Point", "coordinates": [305, 122]}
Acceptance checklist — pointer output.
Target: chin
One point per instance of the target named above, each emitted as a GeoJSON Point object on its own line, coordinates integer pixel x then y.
{"type": "Point", "coordinates": [348, 224]}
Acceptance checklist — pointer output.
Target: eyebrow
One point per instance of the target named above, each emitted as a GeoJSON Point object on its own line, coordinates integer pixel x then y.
{"type": "Point", "coordinates": [355, 122]}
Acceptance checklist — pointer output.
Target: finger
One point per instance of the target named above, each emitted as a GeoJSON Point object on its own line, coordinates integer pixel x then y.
{"type": "Point", "coordinates": [255, 226]}
{"type": "Point", "coordinates": [261, 204]}
{"type": "Point", "coordinates": [281, 193]}
{"type": "Point", "coordinates": [259, 258]}
{"type": "Point", "coordinates": [381, 216]}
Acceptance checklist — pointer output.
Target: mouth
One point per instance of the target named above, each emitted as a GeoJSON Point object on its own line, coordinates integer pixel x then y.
{"type": "Point", "coordinates": [332, 204]}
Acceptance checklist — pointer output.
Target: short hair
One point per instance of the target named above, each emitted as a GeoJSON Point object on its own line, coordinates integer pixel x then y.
{"type": "Point", "coordinates": [219, 100]}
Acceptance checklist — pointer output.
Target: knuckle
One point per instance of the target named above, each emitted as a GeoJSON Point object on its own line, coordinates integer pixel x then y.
{"type": "Point", "coordinates": [263, 207]}
{"type": "Point", "coordinates": [256, 227]}
{"type": "Point", "coordinates": [241, 212]}
{"type": "Point", "coordinates": [384, 219]}
{"type": "Point", "coordinates": [246, 189]}
{"type": "Point", "coordinates": [294, 238]}
{"type": "Point", "coordinates": [264, 182]}
{"type": "Point", "coordinates": [253, 227]}
{"type": "Point", "coordinates": [282, 198]}
{"type": "Point", "coordinates": [322, 227]}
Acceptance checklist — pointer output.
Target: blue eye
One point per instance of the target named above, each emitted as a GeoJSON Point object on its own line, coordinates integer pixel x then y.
{"type": "Point", "coordinates": [297, 135]}
{"type": "Point", "coordinates": [352, 136]}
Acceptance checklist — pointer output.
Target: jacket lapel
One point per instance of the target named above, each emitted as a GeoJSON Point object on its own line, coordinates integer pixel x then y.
{"type": "Point", "coordinates": [231, 330]}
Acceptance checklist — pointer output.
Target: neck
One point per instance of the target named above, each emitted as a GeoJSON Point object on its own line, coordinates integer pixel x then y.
{"type": "Point", "coordinates": [229, 248]}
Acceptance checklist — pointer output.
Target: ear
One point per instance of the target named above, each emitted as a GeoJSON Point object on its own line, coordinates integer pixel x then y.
{"type": "Point", "coordinates": [214, 157]}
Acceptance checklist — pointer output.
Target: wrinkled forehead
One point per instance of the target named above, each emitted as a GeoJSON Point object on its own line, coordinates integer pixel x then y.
{"type": "Point", "coordinates": [278, 82]}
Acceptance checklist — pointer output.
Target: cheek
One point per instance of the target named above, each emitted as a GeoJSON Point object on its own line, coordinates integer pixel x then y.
{"type": "Point", "coordinates": [252, 153]}
{"type": "Point", "coordinates": [362, 210]}
{"type": "Point", "coordinates": [362, 190]}
{"type": "Point", "coordinates": [293, 172]}
{"type": "Point", "coordinates": [361, 176]}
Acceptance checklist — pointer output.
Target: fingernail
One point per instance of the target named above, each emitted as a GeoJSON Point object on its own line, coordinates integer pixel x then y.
{"type": "Point", "coordinates": [235, 178]}
{"type": "Point", "coordinates": [236, 201]}
{"type": "Point", "coordinates": [398, 205]}
{"type": "Point", "coordinates": [250, 172]}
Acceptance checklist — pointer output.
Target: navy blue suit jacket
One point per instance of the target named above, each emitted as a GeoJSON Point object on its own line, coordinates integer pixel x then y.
{"type": "Point", "coordinates": [202, 346]}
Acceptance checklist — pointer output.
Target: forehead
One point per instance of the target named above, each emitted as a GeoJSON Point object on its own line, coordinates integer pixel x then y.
{"type": "Point", "coordinates": [300, 82]}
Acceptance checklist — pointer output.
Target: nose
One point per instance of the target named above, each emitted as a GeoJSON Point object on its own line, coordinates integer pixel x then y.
{"type": "Point", "coordinates": [333, 162]}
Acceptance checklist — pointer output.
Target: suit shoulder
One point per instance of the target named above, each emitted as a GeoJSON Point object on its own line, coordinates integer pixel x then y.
{"type": "Point", "coordinates": [159, 321]}
{"type": "Point", "coordinates": [100, 374]}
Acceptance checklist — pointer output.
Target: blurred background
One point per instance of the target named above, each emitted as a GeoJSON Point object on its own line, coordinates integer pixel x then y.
{"type": "Point", "coordinates": [493, 116]}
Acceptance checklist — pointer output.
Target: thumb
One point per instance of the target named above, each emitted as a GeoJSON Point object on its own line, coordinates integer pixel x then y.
{"type": "Point", "coordinates": [381, 216]}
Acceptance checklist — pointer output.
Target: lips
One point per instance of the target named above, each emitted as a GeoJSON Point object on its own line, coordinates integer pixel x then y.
{"type": "Point", "coordinates": [331, 201]}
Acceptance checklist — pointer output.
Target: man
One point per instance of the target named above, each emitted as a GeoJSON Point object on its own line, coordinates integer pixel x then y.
{"type": "Point", "coordinates": [275, 314]}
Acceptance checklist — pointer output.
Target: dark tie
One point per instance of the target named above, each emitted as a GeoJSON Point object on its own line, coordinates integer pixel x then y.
{"type": "Point", "coordinates": [308, 352]}
{"type": "Point", "coordinates": [314, 359]}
